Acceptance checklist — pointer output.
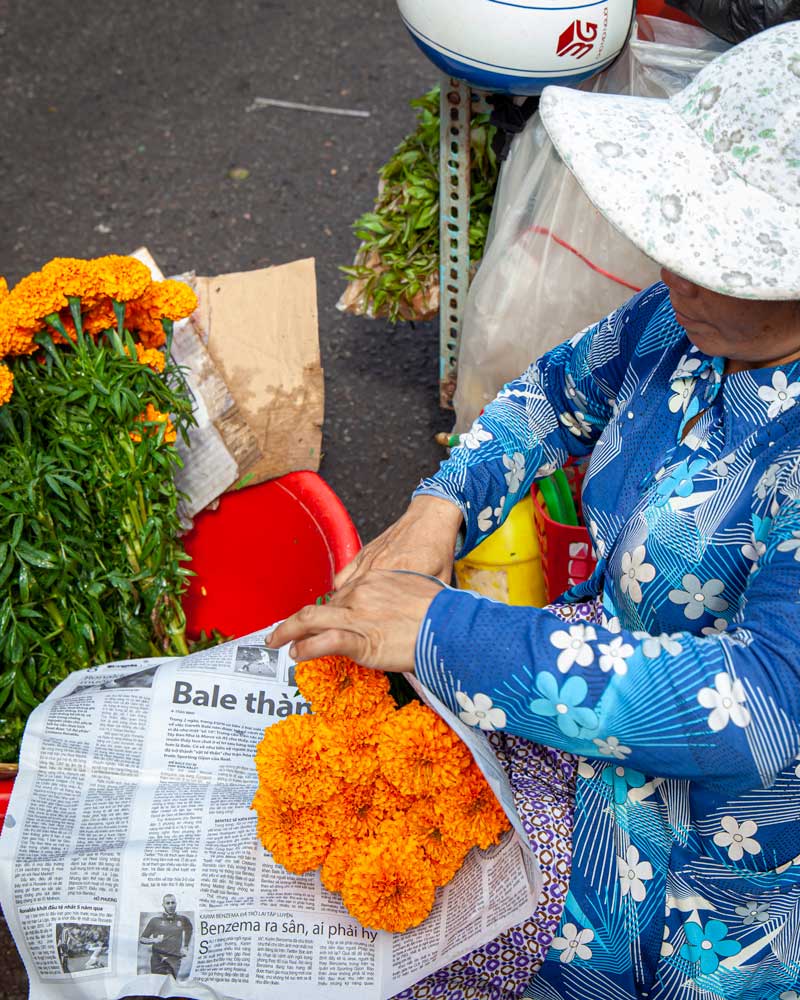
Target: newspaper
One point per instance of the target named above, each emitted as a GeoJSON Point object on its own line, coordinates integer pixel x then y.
{"type": "Point", "coordinates": [208, 468]}
{"type": "Point", "coordinates": [220, 442]}
{"type": "Point", "coordinates": [129, 862]}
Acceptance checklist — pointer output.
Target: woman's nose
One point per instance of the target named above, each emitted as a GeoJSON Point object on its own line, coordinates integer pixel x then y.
{"type": "Point", "coordinates": [677, 284]}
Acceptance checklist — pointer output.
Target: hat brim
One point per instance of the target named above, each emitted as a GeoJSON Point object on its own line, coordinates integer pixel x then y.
{"type": "Point", "coordinates": [661, 185]}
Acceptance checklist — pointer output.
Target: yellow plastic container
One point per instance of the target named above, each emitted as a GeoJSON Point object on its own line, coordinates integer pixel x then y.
{"type": "Point", "coordinates": [507, 566]}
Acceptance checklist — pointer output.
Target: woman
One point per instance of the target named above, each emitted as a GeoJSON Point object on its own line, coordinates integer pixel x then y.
{"type": "Point", "coordinates": [674, 673]}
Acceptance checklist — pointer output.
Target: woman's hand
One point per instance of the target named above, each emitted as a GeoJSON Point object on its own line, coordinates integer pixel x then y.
{"type": "Point", "coordinates": [374, 620]}
{"type": "Point", "coordinates": [423, 539]}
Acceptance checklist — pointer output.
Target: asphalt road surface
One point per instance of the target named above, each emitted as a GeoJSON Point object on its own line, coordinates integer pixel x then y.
{"type": "Point", "coordinates": [120, 125]}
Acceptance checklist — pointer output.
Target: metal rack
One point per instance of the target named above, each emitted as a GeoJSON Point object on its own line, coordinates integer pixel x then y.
{"type": "Point", "coordinates": [458, 103]}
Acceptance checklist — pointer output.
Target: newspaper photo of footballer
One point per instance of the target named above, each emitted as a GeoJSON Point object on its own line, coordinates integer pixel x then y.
{"type": "Point", "coordinates": [257, 660]}
{"type": "Point", "coordinates": [137, 679]}
{"type": "Point", "coordinates": [82, 947]}
{"type": "Point", "coordinates": [165, 941]}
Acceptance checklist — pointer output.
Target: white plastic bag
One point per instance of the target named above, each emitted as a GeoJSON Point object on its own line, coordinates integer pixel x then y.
{"type": "Point", "coordinates": [553, 265]}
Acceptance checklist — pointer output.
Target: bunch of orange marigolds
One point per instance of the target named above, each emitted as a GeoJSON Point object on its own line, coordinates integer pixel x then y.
{"type": "Point", "coordinates": [387, 800]}
{"type": "Point", "coordinates": [107, 293]}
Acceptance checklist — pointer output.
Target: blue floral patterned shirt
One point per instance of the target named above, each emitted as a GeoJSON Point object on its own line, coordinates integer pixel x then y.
{"type": "Point", "coordinates": [684, 705]}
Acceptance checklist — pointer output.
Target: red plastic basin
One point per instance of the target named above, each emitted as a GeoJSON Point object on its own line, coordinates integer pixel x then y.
{"type": "Point", "coordinates": [265, 552]}
{"type": "Point", "coordinates": [6, 784]}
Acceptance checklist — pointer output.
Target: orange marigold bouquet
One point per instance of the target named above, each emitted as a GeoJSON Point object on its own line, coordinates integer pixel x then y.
{"type": "Point", "coordinates": [90, 406]}
{"type": "Point", "coordinates": [387, 801]}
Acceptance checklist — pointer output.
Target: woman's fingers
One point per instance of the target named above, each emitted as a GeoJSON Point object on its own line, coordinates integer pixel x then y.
{"type": "Point", "coordinates": [331, 642]}
{"type": "Point", "coordinates": [374, 619]}
{"type": "Point", "coordinates": [349, 571]}
{"type": "Point", "coordinates": [308, 621]}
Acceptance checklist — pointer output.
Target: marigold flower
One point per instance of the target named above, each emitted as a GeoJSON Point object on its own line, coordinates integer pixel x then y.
{"type": "Point", "coordinates": [175, 299]}
{"type": "Point", "coordinates": [356, 812]}
{"type": "Point", "coordinates": [349, 747]}
{"type": "Point", "coordinates": [443, 845]}
{"type": "Point", "coordinates": [6, 384]}
{"type": "Point", "coordinates": [419, 753]}
{"type": "Point", "coordinates": [296, 838]}
{"type": "Point", "coordinates": [171, 300]}
{"type": "Point", "coordinates": [20, 340]}
{"type": "Point", "coordinates": [3, 288]}
{"type": "Point", "coordinates": [338, 862]}
{"type": "Point", "coordinates": [153, 416]}
{"type": "Point", "coordinates": [34, 297]}
{"type": "Point", "coordinates": [151, 357]}
{"type": "Point", "coordinates": [122, 278]}
{"type": "Point", "coordinates": [99, 318]}
{"type": "Point", "coordinates": [18, 320]}
{"type": "Point", "coordinates": [470, 810]}
{"type": "Point", "coordinates": [389, 885]}
{"type": "Point", "coordinates": [75, 278]}
{"type": "Point", "coordinates": [339, 688]}
{"type": "Point", "coordinates": [288, 762]}
{"type": "Point", "coordinates": [43, 293]}
{"type": "Point", "coordinates": [150, 332]}
{"type": "Point", "coordinates": [445, 864]}
{"type": "Point", "coordinates": [391, 801]}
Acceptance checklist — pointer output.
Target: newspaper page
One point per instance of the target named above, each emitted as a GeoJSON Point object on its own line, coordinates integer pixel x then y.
{"type": "Point", "coordinates": [129, 862]}
{"type": "Point", "coordinates": [220, 443]}
{"type": "Point", "coordinates": [209, 467]}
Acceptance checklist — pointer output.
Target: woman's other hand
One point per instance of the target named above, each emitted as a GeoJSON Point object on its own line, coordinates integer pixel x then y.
{"type": "Point", "coordinates": [374, 620]}
{"type": "Point", "coordinates": [423, 539]}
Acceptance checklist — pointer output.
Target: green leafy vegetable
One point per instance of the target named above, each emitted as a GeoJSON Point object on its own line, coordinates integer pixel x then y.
{"type": "Point", "coordinates": [396, 271]}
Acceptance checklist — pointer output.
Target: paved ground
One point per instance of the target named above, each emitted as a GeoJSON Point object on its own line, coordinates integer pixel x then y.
{"type": "Point", "coordinates": [119, 125]}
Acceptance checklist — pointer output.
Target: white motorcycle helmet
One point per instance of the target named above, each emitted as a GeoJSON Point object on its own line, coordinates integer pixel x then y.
{"type": "Point", "coordinates": [519, 46]}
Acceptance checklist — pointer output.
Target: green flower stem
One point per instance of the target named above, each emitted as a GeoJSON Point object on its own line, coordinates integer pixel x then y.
{"type": "Point", "coordinates": [55, 615]}
{"type": "Point", "coordinates": [91, 567]}
{"type": "Point", "coordinates": [119, 312]}
{"type": "Point", "coordinates": [75, 312]}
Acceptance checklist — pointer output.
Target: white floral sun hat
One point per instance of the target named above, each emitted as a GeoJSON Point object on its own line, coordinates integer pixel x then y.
{"type": "Point", "coordinates": [706, 183]}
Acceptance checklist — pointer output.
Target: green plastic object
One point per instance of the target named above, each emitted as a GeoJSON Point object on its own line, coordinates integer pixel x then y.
{"type": "Point", "coordinates": [567, 501]}
{"type": "Point", "coordinates": [557, 498]}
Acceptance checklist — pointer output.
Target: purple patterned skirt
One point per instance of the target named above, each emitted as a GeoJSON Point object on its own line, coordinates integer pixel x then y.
{"type": "Point", "coordinates": [543, 781]}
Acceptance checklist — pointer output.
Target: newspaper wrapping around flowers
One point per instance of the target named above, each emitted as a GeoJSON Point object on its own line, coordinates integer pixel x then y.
{"type": "Point", "coordinates": [129, 862]}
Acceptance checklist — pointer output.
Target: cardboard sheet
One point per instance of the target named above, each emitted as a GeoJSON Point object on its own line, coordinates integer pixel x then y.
{"type": "Point", "coordinates": [261, 332]}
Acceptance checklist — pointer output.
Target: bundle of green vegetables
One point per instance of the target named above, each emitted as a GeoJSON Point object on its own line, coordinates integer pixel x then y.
{"type": "Point", "coordinates": [396, 270]}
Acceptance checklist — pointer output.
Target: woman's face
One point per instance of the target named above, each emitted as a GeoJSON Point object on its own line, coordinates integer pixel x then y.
{"type": "Point", "coordinates": [750, 333]}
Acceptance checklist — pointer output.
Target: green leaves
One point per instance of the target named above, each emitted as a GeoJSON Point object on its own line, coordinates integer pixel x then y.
{"type": "Point", "coordinates": [35, 557]}
{"type": "Point", "coordinates": [91, 568]}
{"type": "Point", "coordinates": [397, 266]}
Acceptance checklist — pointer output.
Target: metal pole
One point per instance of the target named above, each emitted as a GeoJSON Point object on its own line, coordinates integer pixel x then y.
{"type": "Point", "coordinates": [454, 195]}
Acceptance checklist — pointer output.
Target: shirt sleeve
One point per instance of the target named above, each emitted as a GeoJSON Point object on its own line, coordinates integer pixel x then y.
{"type": "Point", "coordinates": [149, 930]}
{"type": "Point", "coordinates": [557, 409]}
{"type": "Point", "coordinates": [721, 709]}
{"type": "Point", "coordinates": [187, 931]}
